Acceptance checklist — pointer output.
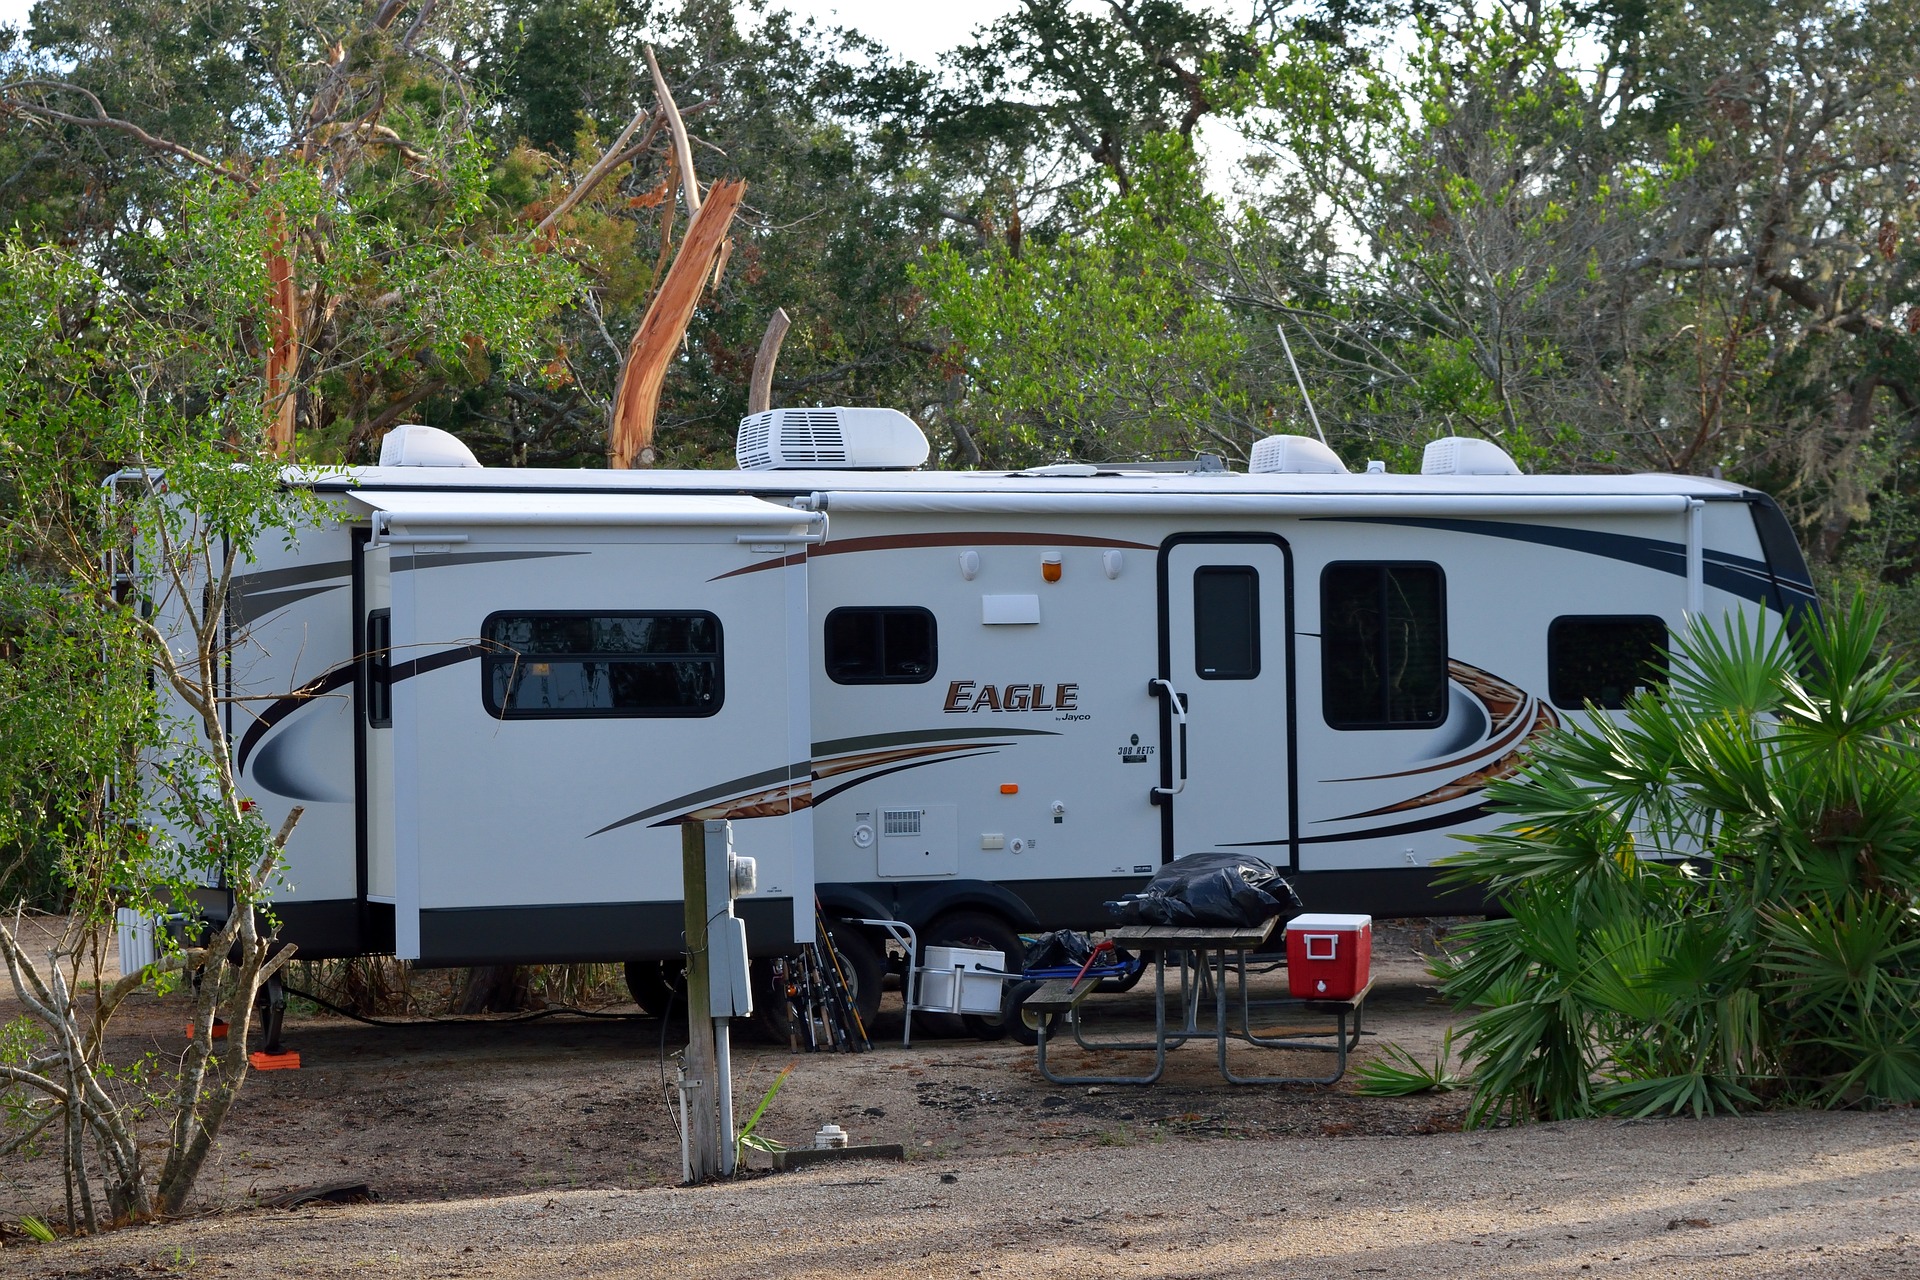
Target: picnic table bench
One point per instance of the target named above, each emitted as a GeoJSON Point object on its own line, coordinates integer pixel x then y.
{"type": "Point", "coordinates": [1207, 957]}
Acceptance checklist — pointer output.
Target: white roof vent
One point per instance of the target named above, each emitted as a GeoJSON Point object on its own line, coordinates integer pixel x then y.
{"type": "Point", "coordinates": [1466, 456]}
{"type": "Point", "coordinates": [412, 445]}
{"type": "Point", "coordinates": [1300, 455]}
{"type": "Point", "coordinates": [837, 439]}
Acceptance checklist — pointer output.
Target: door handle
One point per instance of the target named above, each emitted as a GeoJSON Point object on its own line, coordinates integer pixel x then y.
{"type": "Point", "coordinates": [1178, 705]}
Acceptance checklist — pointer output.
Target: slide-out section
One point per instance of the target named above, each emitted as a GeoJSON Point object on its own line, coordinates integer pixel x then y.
{"type": "Point", "coordinates": [557, 683]}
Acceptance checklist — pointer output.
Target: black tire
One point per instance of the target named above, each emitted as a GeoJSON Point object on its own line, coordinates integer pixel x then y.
{"type": "Point", "coordinates": [771, 1016]}
{"type": "Point", "coordinates": [981, 931]}
{"type": "Point", "coordinates": [653, 991]}
{"type": "Point", "coordinates": [1017, 1026]}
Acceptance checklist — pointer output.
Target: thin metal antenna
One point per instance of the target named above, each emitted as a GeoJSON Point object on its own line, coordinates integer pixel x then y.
{"type": "Point", "coordinates": [1300, 381]}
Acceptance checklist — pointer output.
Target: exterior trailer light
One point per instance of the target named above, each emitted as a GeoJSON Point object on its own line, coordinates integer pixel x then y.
{"type": "Point", "coordinates": [1050, 566]}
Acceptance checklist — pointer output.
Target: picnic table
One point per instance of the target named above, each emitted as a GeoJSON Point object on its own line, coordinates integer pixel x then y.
{"type": "Point", "coordinates": [1205, 958]}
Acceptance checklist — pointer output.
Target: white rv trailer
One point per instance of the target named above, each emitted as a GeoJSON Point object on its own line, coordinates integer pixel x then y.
{"type": "Point", "coordinates": [977, 702]}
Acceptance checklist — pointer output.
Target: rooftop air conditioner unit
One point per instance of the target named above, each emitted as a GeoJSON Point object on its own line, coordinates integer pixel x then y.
{"type": "Point", "coordinates": [1299, 455]}
{"type": "Point", "coordinates": [837, 439]}
{"type": "Point", "coordinates": [412, 445]}
{"type": "Point", "coordinates": [1466, 456]}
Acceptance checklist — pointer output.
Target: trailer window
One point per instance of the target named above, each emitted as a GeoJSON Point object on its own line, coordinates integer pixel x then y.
{"type": "Point", "coordinates": [379, 655]}
{"type": "Point", "coordinates": [567, 664]}
{"type": "Point", "coordinates": [1226, 622]}
{"type": "Point", "coordinates": [881, 646]}
{"type": "Point", "coordinates": [1604, 661]}
{"type": "Point", "coordinates": [1383, 645]}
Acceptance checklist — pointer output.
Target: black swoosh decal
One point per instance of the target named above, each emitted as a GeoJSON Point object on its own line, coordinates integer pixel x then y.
{"type": "Point", "coordinates": [402, 564]}
{"type": "Point", "coordinates": [251, 606]}
{"type": "Point", "coordinates": [1736, 575]}
{"type": "Point", "coordinates": [1456, 818]}
{"type": "Point", "coordinates": [868, 742]}
{"type": "Point", "coordinates": [831, 792]}
{"type": "Point", "coordinates": [752, 782]}
{"type": "Point", "coordinates": [280, 708]}
{"type": "Point", "coordinates": [276, 579]}
{"type": "Point", "coordinates": [339, 677]}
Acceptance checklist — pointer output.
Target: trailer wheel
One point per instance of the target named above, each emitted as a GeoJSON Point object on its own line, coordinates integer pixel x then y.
{"type": "Point", "coordinates": [653, 990]}
{"type": "Point", "coordinates": [980, 931]}
{"type": "Point", "coordinates": [863, 966]}
{"type": "Point", "coordinates": [1016, 1024]}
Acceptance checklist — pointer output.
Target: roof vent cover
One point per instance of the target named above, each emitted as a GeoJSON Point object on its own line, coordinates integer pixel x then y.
{"type": "Point", "coordinates": [837, 439]}
{"type": "Point", "coordinates": [1298, 455]}
{"type": "Point", "coordinates": [1466, 456]}
{"type": "Point", "coordinates": [412, 445]}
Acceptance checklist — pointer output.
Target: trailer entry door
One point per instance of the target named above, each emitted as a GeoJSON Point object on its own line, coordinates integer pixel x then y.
{"type": "Point", "coordinates": [1226, 755]}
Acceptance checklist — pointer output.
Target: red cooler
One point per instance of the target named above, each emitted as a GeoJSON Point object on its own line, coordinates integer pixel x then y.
{"type": "Point", "coordinates": [1329, 957]}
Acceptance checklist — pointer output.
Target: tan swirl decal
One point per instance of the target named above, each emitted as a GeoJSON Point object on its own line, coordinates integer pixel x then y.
{"type": "Point", "coordinates": [1514, 718]}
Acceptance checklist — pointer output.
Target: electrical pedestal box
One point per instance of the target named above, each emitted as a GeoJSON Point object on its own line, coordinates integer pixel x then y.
{"type": "Point", "coordinates": [1329, 957]}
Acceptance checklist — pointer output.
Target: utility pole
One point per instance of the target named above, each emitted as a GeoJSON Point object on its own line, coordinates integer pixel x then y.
{"type": "Point", "coordinates": [699, 1093]}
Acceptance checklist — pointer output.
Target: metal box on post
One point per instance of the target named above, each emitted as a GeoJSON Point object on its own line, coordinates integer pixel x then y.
{"type": "Point", "coordinates": [1329, 957]}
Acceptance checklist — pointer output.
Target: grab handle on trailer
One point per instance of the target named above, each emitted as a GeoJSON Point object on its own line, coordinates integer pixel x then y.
{"type": "Point", "coordinates": [1179, 707]}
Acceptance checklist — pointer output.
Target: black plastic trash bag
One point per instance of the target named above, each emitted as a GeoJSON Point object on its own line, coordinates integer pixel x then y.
{"type": "Point", "coordinates": [1223, 889]}
{"type": "Point", "coordinates": [1059, 949]}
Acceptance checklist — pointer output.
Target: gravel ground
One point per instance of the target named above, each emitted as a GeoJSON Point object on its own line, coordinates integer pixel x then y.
{"type": "Point", "coordinates": [1797, 1195]}
{"type": "Point", "coordinates": [541, 1149]}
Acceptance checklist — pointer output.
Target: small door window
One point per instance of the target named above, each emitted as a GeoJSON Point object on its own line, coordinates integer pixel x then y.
{"type": "Point", "coordinates": [1226, 622]}
{"type": "Point", "coordinates": [1604, 660]}
{"type": "Point", "coordinates": [581, 664]}
{"type": "Point", "coordinates": [1383, 645]}
{"type": "Point", "coordinates": [379, 659]}
{"type": "Point", "coordinates": [881, 646]}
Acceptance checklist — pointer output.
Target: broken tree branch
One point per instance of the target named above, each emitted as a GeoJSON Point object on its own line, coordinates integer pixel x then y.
{"type": "Point", "coordinates": [658, 337]}
{"type": "Point", "coordinates": [601, 169]}
{"type": "Point", "coordinates": [682, 148]}
{"type": "Point", "coordinates": [760, 389]}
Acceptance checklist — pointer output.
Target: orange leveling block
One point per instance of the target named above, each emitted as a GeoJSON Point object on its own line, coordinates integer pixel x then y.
{"type": "Point", "coordinates": [264, 1061]}
{"type": "Point", "coordinates": [219, 1029]}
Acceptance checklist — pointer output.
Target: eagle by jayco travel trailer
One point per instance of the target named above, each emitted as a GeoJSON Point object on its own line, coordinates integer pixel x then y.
{"type": "Point", "coordinates": [976, 702]}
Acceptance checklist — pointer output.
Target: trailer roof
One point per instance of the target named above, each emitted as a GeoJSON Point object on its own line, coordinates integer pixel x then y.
{"type": "Point", "coordinates": [953, 488]}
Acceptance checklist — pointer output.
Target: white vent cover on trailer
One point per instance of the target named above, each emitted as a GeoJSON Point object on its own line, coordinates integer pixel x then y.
{"type": "Point", "coordinates": [1297, 455]}
{"type": "Point", "coordinates": [838, 439]}
{"type": "Point", "coordinates": [412, 445]}
{"type": "Point", "coordinates": [1466, 456]}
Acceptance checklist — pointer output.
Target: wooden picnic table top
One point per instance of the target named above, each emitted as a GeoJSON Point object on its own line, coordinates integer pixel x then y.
{"type": "Point", "coordinates": [1172, 937]}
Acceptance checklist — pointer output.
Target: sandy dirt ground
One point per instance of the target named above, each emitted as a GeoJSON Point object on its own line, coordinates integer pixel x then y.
{"type": "Point", "coordinates": [545, 1148]}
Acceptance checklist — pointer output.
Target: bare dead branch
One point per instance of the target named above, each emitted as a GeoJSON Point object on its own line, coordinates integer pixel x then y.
{"type": "Point", "coordinates": [12, 104]}
{"type": "Point", "coordinates": [689, 182]}
{"type": "Point", "coordinates": [601, 169]}
{"type": "Point", "coordinates": [760, 388]}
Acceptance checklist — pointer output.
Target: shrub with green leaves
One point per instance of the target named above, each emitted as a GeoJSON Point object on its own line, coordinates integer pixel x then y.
{"type": "Point", "coordinates": [1711, 895]}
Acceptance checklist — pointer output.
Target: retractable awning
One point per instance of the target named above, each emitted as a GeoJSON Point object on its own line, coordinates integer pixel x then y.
{"type": "Point", "coordinates": [417, 512]}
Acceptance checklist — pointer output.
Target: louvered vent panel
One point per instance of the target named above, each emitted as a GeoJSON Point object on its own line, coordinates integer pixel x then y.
{"type": "Point", "coordinates": [811, 437]}
{"type": "Point", "coordinates": [900, 822]}
{"type": "Point", "coordinates": [752, 447]}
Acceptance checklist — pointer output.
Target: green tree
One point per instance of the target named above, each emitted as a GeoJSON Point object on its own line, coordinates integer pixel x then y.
{"type": "Point", "coordinates": [167, 389]}
{"type": "Point", "coordinates": [1097, 345]}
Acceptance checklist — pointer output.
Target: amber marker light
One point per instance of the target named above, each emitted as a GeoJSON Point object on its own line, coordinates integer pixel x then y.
{"type": "Point", "coordinates": [1050, 566]}
{"type": "Point", "coordinates": [1009, 788]}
